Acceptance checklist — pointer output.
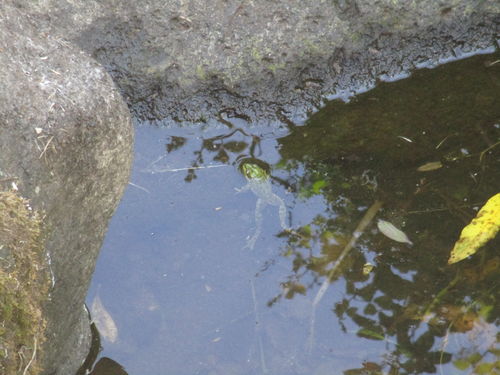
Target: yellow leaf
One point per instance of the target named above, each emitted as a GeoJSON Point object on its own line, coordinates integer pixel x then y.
{"type": "Point", "coordinates": [481, 229]}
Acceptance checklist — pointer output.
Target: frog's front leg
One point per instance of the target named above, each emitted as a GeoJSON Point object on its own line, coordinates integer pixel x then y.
{"type": "Point", "coordinates": [258, 225]}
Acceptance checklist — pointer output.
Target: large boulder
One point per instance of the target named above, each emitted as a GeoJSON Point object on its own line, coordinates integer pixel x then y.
{"type": "Point", "coordinates": [65, 145]}
{"type": "Point", "coordinates": [189, 60]}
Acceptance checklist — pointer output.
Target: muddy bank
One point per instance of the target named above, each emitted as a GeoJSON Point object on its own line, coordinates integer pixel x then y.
{"type": "Point", "coordinates": [191, 60]}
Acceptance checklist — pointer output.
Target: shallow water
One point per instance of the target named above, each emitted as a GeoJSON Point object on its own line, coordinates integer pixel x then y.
{"type": "Point", "coordinates": [188, 298]}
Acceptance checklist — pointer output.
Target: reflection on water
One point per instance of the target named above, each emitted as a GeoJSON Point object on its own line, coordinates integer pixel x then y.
{"type": "Point", "coordinates": [334, 294]}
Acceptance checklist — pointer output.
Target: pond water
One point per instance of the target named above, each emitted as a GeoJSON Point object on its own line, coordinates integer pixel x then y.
{"type": "Point", "coordinates": [189, 296]}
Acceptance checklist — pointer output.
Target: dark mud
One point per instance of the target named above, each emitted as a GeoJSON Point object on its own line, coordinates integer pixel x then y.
{"type": "Point", "coordinates": [191, 61]}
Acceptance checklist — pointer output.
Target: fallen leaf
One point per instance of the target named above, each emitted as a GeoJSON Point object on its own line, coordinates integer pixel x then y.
{"type": "Point", "coordinates": [390, 231]}
{"type": "Point", "coordinates": [103, 320]}
{"type": "Point", "coordinates": [431, 166]}
{"type": "Point", "coordinates": [367, 268]}
{"type": "Point", "coordinates": [481, 229]}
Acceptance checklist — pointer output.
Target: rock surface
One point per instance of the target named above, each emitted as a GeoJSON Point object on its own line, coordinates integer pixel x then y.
{"type": "Point", "coordinates": [189, 60]}
{"type": "Point", "coordinates": [66, 137]}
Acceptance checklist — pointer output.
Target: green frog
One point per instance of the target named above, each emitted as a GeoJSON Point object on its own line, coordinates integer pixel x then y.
{"type": "Point", "coordinates": [259, 183]}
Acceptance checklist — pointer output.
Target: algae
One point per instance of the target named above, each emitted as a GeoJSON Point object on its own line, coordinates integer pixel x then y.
{"type": "Point", "coordinates": [24, 285]}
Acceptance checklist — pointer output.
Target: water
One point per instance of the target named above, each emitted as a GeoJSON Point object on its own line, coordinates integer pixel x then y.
{"type": "Point", "coordinates": [188, 298]}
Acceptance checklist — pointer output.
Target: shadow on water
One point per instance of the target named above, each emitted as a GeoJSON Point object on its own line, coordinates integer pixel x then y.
{"type": "Point", "coordinates": [332, 294]}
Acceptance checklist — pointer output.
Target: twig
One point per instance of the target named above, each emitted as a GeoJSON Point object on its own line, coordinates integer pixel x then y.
{"type": "Point", "coordinates": [365, 221]}
{"type": "Point", "coordinates": [139, 187]}
{"type": "Point", "coordinates": [431, 210]}
{"type": "Point", "coordinates": [441, 143]}
{"type": "Point", "coordinates": [485, 151]}
{"type": "Point", "coordinates": [441, 294]}
{"type": "Point", "coordinates": [46, 146]}
{"type": "Point", "coordinates": [32, 358]}
{"type": "Point", "coordinates": [158, 170]}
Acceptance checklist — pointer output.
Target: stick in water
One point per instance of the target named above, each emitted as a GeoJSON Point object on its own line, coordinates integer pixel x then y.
{"type": "Point", "coordinates": [365, 221]}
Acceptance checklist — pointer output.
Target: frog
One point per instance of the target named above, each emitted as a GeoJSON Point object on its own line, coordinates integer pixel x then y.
{"type": "Point", "coordinates": [258, 181]}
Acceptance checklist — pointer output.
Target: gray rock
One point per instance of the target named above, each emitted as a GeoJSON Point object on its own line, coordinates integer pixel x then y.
{"type": "Point", "coordinates": [66, 135]}
{"type": "Point", "coordinates": [189, 60]}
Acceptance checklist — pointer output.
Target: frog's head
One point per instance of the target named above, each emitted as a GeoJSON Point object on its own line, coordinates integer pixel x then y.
{"type": "Point", "coordinates": [254, 170]}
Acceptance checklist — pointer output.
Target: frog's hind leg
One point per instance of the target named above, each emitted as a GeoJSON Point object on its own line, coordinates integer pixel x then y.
{"type": "Point", "coordinates": [258, 225]}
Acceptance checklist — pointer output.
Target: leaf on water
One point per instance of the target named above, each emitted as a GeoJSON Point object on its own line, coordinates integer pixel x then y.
{"type": "Point", "coordinates": [481, 229]}
{"type": "Point", "coordinates": [103, 321]}
{"type": "Point", "coordinates": [431, 166]}
{"type": "Point", "coordinates": [392, 232]}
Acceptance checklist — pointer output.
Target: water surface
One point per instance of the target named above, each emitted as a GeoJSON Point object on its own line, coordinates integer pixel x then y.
{"type": "Point", "coordinates": [188, 298]}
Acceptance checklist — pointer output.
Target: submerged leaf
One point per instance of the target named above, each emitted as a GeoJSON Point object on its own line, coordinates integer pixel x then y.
{"type": "Point", "coordinates": [392, 232]}
{"type": "Point", "coordinates": [481, 229]}
{"type": "Point", "coordinates": [103, 320]}
{"type": "Point", "coordinates": [431, 166]}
